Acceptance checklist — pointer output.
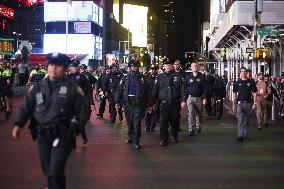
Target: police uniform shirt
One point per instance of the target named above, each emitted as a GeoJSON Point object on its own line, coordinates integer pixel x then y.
{"type": "Point", "coordinates": [168, 88]}
{"type": "Point", "coordinates": [132, 85]}
{"type": "Point", "coordinates": [244, 89]}
{"type": "Point", "coordinates": [47, 100]}
{"type": "Point", "coordinates": [193, 85]}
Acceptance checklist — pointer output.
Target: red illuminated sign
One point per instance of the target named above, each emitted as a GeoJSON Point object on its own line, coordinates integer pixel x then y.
{"type": "Point", "coordinates": [29, 3]}
{"type": "Point", "coordinates": [7, 12]}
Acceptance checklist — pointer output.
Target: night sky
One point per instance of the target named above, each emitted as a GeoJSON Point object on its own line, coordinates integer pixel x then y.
{"type": "Point", "coordinates": [188, 26]}
{"type": "Point", "coordinates": [189, 14]}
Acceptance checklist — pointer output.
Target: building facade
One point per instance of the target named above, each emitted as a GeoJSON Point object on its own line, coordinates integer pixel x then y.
{"type": "Point", "coordinates": [249, 34]}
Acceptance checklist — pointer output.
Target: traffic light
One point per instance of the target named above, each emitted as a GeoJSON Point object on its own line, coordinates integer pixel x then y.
{"type": "Point", "coordinates": [262, 54]}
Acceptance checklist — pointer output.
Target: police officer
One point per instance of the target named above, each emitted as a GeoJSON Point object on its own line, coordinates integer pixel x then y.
{"type": "Point", "coordinates": [193, 98]}
{"type": "Point", "coordinates": [101, 87]}
{"type": "Point", "coordinates": [75, 76]}
{"type": "Point", "coordinates": [151, 116]}
{"type": "Point", "coordinates": [112, 82]}
{"type": "Point", "coordinates": [54, 105]}
{"type": "Point", "coordinates": [133, 93]}
{"type": "Point", "coordinates": [243, 90]}
{"type": "Point", "coordinates": [209, 82]}
{"type": "Point", "coordinates": [167, 92]}
{"type": "Point", "coordinates": [5, 87]}
{"type": "Point", "coordinates": [92, 80]}
{"type": "Point", "coordinates": [119, 75]}
{"type": "Point", "coordinates": [82, 81]}
{"type": "Point", "coordinates": [37, 74]}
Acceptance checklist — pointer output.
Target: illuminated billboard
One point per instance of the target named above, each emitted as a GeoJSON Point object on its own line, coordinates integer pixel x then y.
{"type": "Point", "coordinates": [116, 10]}
{"type": "Point", "coordinates": [77, 11]}
{"type": "Point", "coordinates": [82, 27]}
{"type": "Point", "coordinates": [6, 46]}
{"type": "Point", "coordinates": [135, 19]}
{"type": "Point", "coordinates": [76, 43]}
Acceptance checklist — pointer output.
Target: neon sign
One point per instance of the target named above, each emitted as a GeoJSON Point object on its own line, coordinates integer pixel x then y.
{"type": "Point", "coordinates": [7, 12]}
{"type": "Point", "coordinates": [29, 3]}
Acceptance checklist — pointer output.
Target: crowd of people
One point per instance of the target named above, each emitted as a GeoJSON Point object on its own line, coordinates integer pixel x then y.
{"type": "Point", "coordinates": [61, 98]}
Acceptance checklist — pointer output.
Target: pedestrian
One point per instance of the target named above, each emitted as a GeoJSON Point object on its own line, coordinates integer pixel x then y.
{"type": "Point", "coordinates": [220, 94]}
{"type": "Point", "coordinates": [133, 93]}
{"type": "Point", "coordinates": [167, 93]}
{"type": "Point", "coordinates": [53, 105]}
{"type": "Point", "coordinates": [262, 102]}
{"type": "Point", "coordinates": [243, 90]}
{"type": "Point", "coordinates": [194, 98]}
{"type": "Point", "coordinates": [209, 82]}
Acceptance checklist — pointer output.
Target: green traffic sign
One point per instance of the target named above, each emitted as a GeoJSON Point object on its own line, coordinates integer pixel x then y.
{"type": "Point", "coordinates": [267, 31]}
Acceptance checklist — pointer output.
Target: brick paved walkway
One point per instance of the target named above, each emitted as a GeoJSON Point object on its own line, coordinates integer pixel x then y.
{"type": "Point", "coordinates": [213, 160]}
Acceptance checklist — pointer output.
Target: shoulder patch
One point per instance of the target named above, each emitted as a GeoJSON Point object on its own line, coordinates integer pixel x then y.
{"type": "Point", "coordinates": [80, 91]}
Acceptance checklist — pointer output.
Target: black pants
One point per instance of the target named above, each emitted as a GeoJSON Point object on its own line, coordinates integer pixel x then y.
{"type": "Point", "coordinates": [54, 159]}
{"type": "Point", "coordinates": [208, 106]}
{"type": "Point", "coordinates": [102, 105]}
{"type": "Point", "coordinates": [220, 106]}
{"type": "Point", "coordinates": [169, 115]}
{"type": "Point", "coordinates": [22, 79]}
{"type": "Point", "coordinates": [133, 114]}
{"type": "Point", "coordinates": [151, 119]}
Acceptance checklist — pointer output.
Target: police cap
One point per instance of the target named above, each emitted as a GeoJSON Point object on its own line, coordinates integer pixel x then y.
{"type": "Point", "coordinates": [74, 63]}
{"type": "Point", "coordinates": [58, 59]}
{"type": "Point", "coordinates": [167, 61]}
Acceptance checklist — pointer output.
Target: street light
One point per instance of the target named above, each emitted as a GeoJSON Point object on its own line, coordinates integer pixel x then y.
{"type": "Point", "coordinates": [17, 34]}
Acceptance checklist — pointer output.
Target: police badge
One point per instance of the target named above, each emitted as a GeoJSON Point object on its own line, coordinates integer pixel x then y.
{"type": "Point", "coordinates": [39, 98]}
{"type": "Point", "coordinates": [63, 90]}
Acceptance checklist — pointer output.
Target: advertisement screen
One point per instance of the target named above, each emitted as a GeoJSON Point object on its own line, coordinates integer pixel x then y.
{"type": "Point", "coordinates": [116, 10]}
{"type": "Point", "coordinates": [99, 48]}
{"type": "Point", "coordinates": [77, 11]}
{"type": "Point", "coordinates": [101, 17]}
{"type": "Point", "coordinates": [135, 19]}
{"type": "Point", "coordinates": [6, 46]}
{"type": "Point", "coordinates": [76, 43]}
{"type": "Point", "coordinates": [82, 27]}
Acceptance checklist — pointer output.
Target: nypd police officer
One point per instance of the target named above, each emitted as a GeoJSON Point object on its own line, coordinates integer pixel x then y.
{"type": "Point", "coordinates": [167, 92]}
{"type": "Point", "coordinates": [151, 116]}
{"type": "Point", "coordinates": [101, 87]}
{"type": "Point", "coordinates": [243, 90]}
{"type": "Point", "coordinates": [193, 97]}
{"type": "Point", "coordinates": [133, 93]}
{"type": "Point", "coordinates": [81, 80]}
{"type": "Point", "coordinates": [54, 105]}
{"type": "Point", "coordinates": [111, 85]}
